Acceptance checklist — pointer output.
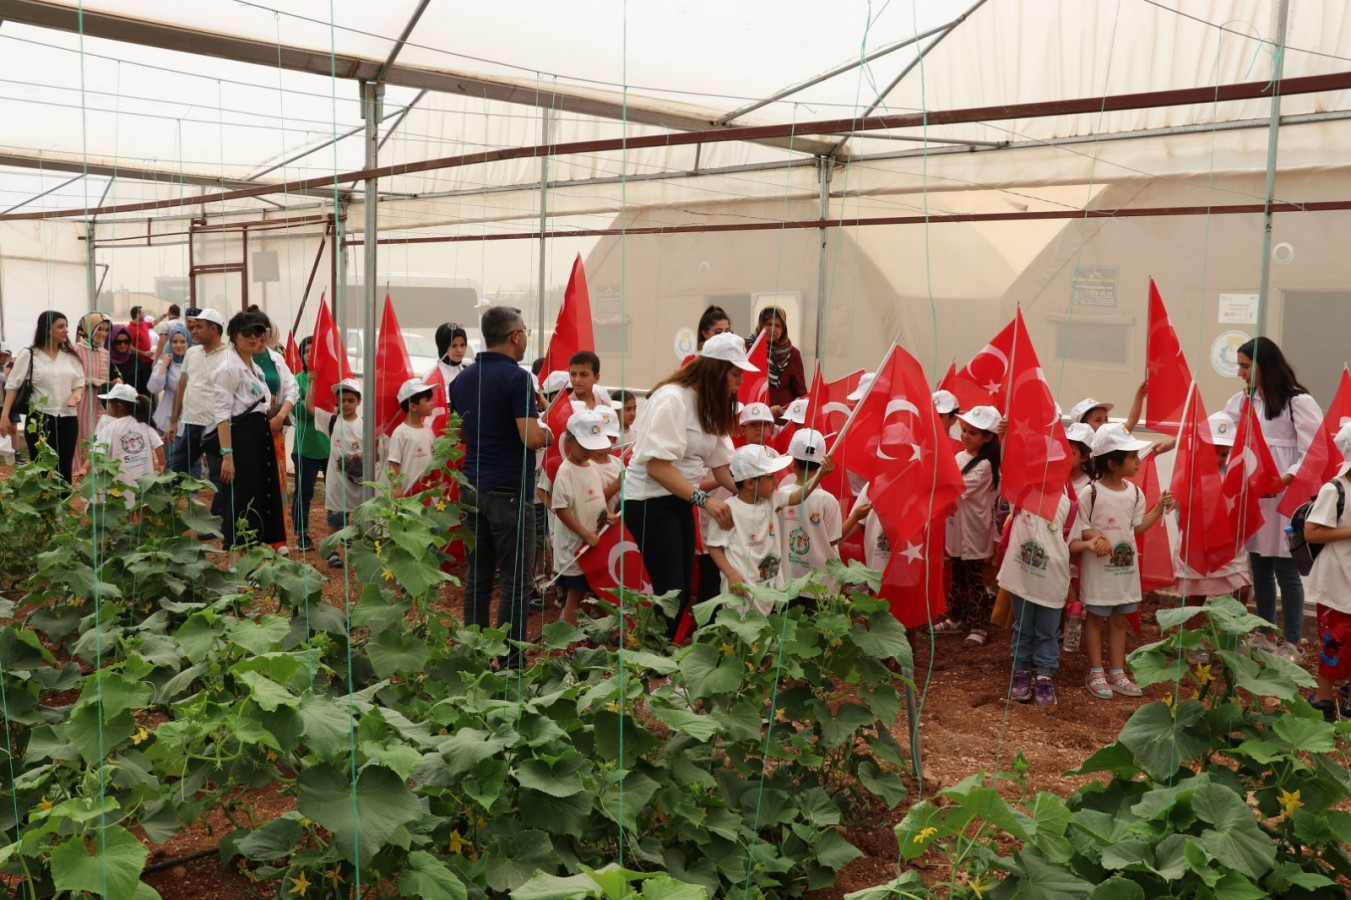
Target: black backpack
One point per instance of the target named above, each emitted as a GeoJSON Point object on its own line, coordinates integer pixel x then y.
{"type": "Point", "coordinates": [1301, 551]}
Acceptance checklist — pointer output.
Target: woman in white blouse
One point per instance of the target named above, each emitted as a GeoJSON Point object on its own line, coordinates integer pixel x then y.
{"type": "Point", "coordinates": [252, 489]}
{"type": "Point", "coordinates": [58, 388]}
{"type": "Point", "coordinates": [1290, 420]}
{"type": "Point", "coordinates": [684, 428]}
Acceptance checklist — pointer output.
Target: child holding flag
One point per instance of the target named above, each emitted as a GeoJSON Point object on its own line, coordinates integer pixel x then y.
{"type": "Point", "coordinates": [578, 500]}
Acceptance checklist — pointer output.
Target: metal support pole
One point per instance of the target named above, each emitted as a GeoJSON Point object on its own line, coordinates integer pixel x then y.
{"type": "Point", "coordinates": [1273, 136]}
{"type": "Point", "coordinates": [826, 170]}
{"type": "Point", "coordinates": [545, 130]}
{"type": "Point", "coordinates": [91, 266]}
{"type": "Point", "coordinates": [372, 97]}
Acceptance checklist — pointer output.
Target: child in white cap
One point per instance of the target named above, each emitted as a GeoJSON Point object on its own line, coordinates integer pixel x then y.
{"type": "Point", "coordinates": [125, 435]}
{"type": "Point", "coordinates": [1330, 582]}
{"type": "Point", "coordinates": [410, 446]}
{"type": "Point", "coordinates": [605, 459]}
{"type": "Point", "coordinates": [971, 529]}
{"type": "Point", "coordinates": [750, 552]}
{"type": "Point", "coordinates": [812, 529]}
{"type": "Point", "coordinates": [1111, 513]}
{"type": "Point", "coordinates": [578, 500]}
{"type": "Point", "coordinates": [345, 469]}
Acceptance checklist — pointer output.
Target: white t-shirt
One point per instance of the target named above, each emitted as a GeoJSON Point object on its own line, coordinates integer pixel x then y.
{"type": "Point", "coordinates": [1111, 580]}
{"type": "Point", "coordinates": [752, 544]}
{"type": "Point", "coordinates": [240, 388]}
{"type": "Point", "coordinates": [810, 530]}
{"type": "Point", "coordinates": [411, 449]}
{"type": "Point", "coordinates": [610, 470]}
{"type": "Point", "coordinates": [199, 367]}
{"type": "Point", "coordinates": [876, 547]}
{"type": "Point", "coordinates": [581, 491]}
{"type": "Point", "coordinates": [1330, 580]}
{"type": "Point", "coordinates": [668, 428]}
{"type": "Point", "coordinates": [340, 493]}
{"type": "Point", "coordinates": [1036, 563]}
{"type": "Point", "coordinates": [130, 442]}
{"type": "Point", "coordinates": [971, 530]}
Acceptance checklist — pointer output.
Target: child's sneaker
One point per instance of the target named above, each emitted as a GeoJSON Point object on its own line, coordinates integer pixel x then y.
{"type": "Point", "coordinates": [334, 560]}
{"type": "Point", "coordinates": [1097, 684]}
{"type": "Point", "coordinates": [1044, 692]}
{"type": "Point", "coordinates": [1021, 690]}
{"type": "Point", "coordinates": [1120, 683]}
{"type": "Point", "coordinates": [1329, 709]}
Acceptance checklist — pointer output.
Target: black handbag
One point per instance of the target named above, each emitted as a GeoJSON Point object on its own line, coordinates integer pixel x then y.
{"type": "Point", "coordinates": [24, 395]}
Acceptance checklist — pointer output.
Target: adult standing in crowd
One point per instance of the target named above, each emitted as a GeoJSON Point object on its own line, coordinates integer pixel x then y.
{"type": "Point", "coordinates": [165, 376]}
{"type": "Point", "coordinates": [250, 484]}
{"type": "Point", "coordinates": [685, 427]}
{"type": "Point", "coordinates": [787, 380]}
{"type": "Point", "coordinates": [452, 343]}
{"type": "Point", "coordinates": [195, 398]}
{"type": "Point", "coordinates": [1290, 420]}
{"type": "Point", "coordinates": [57, 377]}
{"type": "Point", "coordinates": [167, 321]}
{"type": "Point", "coordinates": [91, 344]}
{"type": "Point", "coordinates": [126, 366]}
{"type": "Point", "coordinates": [501, 429]}
{"type": "Point", "coordinates": [281, 383]}
{"type": "Point", "coordinates": [310, 452]}
{"type": "Point", "coordinates": [714, 321]}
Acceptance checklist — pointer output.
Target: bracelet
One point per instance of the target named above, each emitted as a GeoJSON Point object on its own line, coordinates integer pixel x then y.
{"type": "Point", "coordinates": [699, 497]}
{"type": "Point", "coordinates": [226, 451]}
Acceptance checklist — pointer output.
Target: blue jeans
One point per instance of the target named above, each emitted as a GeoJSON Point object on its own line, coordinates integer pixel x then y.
{"type": "Point", "coordinates": [307, 472]}
{"type": "Point", "coordinates": [1267, 572]}
{"type": "Point", "coordinates": [1036, 636]}
{"type": "Point", "coordinates": [503, 539]}
{"type": "Point", "coordinates": [187, 446]}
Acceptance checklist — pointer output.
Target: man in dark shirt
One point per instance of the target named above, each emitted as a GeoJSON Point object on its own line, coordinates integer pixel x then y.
{"type": "Point", "coordinates": [501, 430]}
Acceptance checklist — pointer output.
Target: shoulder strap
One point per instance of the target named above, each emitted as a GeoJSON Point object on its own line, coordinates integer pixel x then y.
{"type": "Point", "coordinates": [1341, 498]}
{"type": "Point", "coordinates": [332, 423]}
{"type": "Point", "coordinates": [1092, 500]}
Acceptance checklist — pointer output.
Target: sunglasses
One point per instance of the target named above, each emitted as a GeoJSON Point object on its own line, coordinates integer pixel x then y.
{"type": "Point", "coordinates": [122, 341]}
{"type": "Point", "coordinates": [254, 331]}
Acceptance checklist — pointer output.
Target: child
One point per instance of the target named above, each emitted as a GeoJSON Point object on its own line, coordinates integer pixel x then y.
{"type": "Point", "coordinates": [627, 403]}
{"type": "Point", "coordinates": [1329, 523]}
{"type": "Point", "coordinates": [811, 529]}
{"type": "Point", "coordinates": [1036, 574]}
{"type": "Point", "coordinates": [410, 446]}
{"type": "Point", "coordinates": [609, 465]}
{"type": "Point", "coordinates": [757, 423]}
{"type": "Point", "coordinates": [125, 435]}
{"type": "Point", "coordinates": [753, 433]}
{"type": "Point", "coordinates": [1080, 436]}
{"type": "Point", "coordinates": [583, 371]}
{"type": "Point", "coordinates": [971, 529]}
{"type": "Point", "coordinates": [1111, 513]}
{"type": "Point", "coordinates": [750, 552]}
{"type": "Point", "coordinates": [345, 470]}
{"type": "Point", "coordinates": [948, 408]}
{"type": "Point", "coordinates": [578, 500]}
{"type": "Point", "coordinates": [1090, 412]}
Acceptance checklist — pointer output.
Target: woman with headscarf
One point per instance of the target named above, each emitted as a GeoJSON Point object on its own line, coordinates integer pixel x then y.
{"type": "Point", "coordinates": [126, 366]}
{"type": "Point", "coordinates": [91, 345]}
{"type": "Point", "coordinates": [164, 377]}
{"type": "Point", "coordinates": [787, 380]}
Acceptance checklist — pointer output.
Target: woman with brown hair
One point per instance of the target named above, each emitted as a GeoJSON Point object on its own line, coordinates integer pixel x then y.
{"type": "Point", "coordinates": [54, 370]}
{"type": "Point", "coordinates": [684, 428]}
{"type": "Point", "coordinates": [91, 345]}
{"type": "Point", "coordinates": [787, 380]}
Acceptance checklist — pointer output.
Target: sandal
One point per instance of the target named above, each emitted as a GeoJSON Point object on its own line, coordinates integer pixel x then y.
{"type": "Point", "coordinates": [947, 626]}
{"type": "Point", "coordinates": [1120, 683]}
{"type": "Point", "coordinates": [1097, 684]}
{"type": "Point", "coordinates": [976, 638]}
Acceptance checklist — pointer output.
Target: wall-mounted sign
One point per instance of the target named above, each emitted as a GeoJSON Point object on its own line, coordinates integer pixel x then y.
{"type": "Point", "coordinates": [1238, 309]}
{"type": "Point", "coordinates": [1094, 285]}
{"type": "Point", "coordinates": [1224, 352]}
{"type": "Point", "coordinates": [684, 342]}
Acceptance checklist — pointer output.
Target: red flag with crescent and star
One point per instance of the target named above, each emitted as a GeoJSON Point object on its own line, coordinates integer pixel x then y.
{"type": "Point", "coordinates": [981, 381]}
{"type": "Point", "coordinates": [1321, 461]}
{"type": "Point", "coordinates": [912, 582]}
{"type": "Point", "coordinates": [394, 368]}
{"type": "Point", "coordinates": [1250, 475]}
{"type": "Point", "coordinates": [1206, 530]}
{"type": "Point", "coordinates": [613, 563]}
{"type": "Point", "coordinates": [755, 385]}
{"type": "Point", "coordinates": [1036, 460]}
{"type": "Point", "coordinates": [328, 359]}
{"type": "Point", "coordinates": [573, 330]}
{"type": "Point", "coordinates": [1169, 376]}
{"type": "Point", "coordinates": [292, 355]}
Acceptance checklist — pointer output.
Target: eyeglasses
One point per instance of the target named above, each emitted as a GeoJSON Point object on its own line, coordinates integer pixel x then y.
{"type": "Point", "coordinates": [122, 341]}
{"type": "Point", "coordinates": [524, 331]}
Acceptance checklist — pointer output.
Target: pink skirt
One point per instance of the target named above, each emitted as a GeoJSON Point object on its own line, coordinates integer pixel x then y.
{"type": "Point", "coordinates": [1214, 585]}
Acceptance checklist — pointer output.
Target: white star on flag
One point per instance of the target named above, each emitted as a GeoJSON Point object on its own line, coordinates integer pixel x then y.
{"type": "Point", "coordinates": [913, 552]}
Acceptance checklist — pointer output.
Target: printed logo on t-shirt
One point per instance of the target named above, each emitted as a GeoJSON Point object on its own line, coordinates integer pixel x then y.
{"type": "Point", "coordinates": [1122, 556]}
{"type": "Point", "coordinates": [814, 518]}
{"type": "Point", "coordinates": [883, 545]}
{"type": "Point", "coordinates": [768, 569]}
{"type": "Point", "coordinates": [1033, 555]}
{"type": "Point", "coordinates": [799, 544]}
{"type": "Point", "coordinates": [133, 443]}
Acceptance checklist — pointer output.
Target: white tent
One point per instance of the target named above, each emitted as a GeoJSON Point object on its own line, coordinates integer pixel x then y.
{"type": "Point", "coordinates": [910, 170]}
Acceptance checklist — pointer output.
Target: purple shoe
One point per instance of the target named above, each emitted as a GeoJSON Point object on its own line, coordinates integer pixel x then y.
{"type": "Point", "coordinates": [1022, 686]}
{"type": "Point", "coordinates": [1044, 692]}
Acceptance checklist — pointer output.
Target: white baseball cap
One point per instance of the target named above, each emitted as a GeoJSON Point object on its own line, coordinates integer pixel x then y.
{"type": "Point", "coordinates": [609, 419]}
{"type": "Point", "coordinates": [754, 460]}
{"type": "Point", "coordinates": [588, 429]}
{"type": "Point", "coordinates": [1080, 409]}
{"type": "Point", "coordinates": [412, 386]}
{"type": "Point", "coordinates": [120, 392]}
{"type": "Point", "coordinates": [348, 384]}
{"type": "Point", "coordinates": [1081, 432]}
{"type": "Point", "coordinates": [756, 412]}
{"type": "Point", "coordinates": [1222, 429]}
{"type": "Point", "coordinates": [555, 381]}
{"type": "Point", "coordinates": [863, 384]}
{"type": "Point", "coordinates": [1343, 443]}
{"type": "Point", "coordinates": [797, 411]}
{"type": "Point", "coordinates": [807, 445]}
{"type": "Point", "coordinates": [946, 402]}
{"type": "Point", "coordinates": [730, 348]}
{"type": "Point", "coordinates": [211, 315]}
{"type": "Point", "coordinates": [4, 350]}
{"type": "Point", "coordinates": [986, 418]}
{"type": "Point", "coordinates": [1114, 436]}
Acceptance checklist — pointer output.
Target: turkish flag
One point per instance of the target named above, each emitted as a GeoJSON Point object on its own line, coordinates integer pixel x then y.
{"type": "Point", "coordinates": [1166, 368]}
{"type": "Point", "coordinates": [1321, 462]}
{"type": "Point", "coordinates": [755, 385]}
{"type": "Point", "coordinates": [912, 582]}
{"type": "Point", "coordinates": [784, 436]}
{"type": "Point", "coordinates": [328, 359]}
{"type": "Point", "coordinates": [1206, 529]}
{"type": "Point", "coordinates": [556, 417]}
{"type": "Point", "coordinates": [981, 381]}
{"type": "Point", "coordinates": [393, 369]}
{"type": "Point", "coordinates": [1037, 459]}
{"type": "Point", "coordinates": [439, 420]}
{"type": "Point", "coordinates": [1156, 558]}
{"type": "Point", "coordinates": [1250, 475]}
{"type": "Point", "coordinates": [573, 329]}
{"type": "Point", "coordinates": [613, 563]}
{"type": "Point", "coordinates": [914, 477]}
{"type": "Point", "coordinates": [292, 354]}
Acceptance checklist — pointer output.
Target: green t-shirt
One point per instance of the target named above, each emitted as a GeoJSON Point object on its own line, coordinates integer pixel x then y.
{"type": "Point", "coordinates": [310, 442]}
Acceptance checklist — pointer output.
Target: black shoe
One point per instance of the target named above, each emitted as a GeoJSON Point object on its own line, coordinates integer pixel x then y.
{"type": "Point", "coordinates": [1328, 709]}
{"type": "Point", "coordinates": [334, 560]}
{"type": "Point", "coordinates": [536, 602]}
